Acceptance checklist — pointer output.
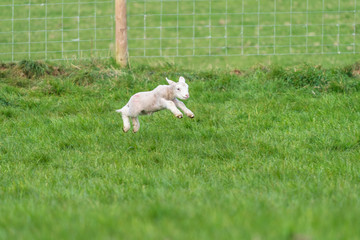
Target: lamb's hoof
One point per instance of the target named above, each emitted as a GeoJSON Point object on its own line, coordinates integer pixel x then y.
{"type": "Point", "coordinates": [125, 130]}
{"type": "Point", "coordinates": [135, 131]}
{"type": "Point", "coordinates": [179, 116]}
{"type": "Point", "coordinates": [191, 116]}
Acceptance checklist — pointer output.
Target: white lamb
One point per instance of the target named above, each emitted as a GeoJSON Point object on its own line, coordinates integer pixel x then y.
{"type": "Point", "coordinates": [162, 97]}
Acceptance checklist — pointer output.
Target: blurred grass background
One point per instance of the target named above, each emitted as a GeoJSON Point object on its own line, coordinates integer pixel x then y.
{"type": "Point", "coordinates": [55, 29]}
{"type": "Point", "coordinates": [234, 33]}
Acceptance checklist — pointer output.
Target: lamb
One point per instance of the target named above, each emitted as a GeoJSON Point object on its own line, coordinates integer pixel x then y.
{"type": "Point", "coordinates": [162, 97]}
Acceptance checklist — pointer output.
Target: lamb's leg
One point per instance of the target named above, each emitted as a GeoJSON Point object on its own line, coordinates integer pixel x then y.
{"type": "Point", "coordinates": [182, 106]}
{"type": "Point", "coordinates": [126, 122]}
{"type": "Point", "coordinates": [172, 107]}
{"type": "Point", "coordinates": [136, 124]}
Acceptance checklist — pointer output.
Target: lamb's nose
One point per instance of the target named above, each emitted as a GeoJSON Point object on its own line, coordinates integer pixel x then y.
{"type": "Point", "coordinates": [187, 95]}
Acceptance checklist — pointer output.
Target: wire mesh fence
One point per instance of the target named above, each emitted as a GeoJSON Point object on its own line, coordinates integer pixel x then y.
{"type": "Point", "coordinates": [77, 29]}
{"type": "Point", "coordinates": [55, 29]}
{"type": "Point", "coordinates": [175, 28]}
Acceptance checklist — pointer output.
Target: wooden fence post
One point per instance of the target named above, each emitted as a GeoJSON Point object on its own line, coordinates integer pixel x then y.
{"type": "Point", "coordinates": [121, 45]}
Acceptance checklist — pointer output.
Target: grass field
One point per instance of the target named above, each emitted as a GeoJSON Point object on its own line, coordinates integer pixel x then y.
{"type": "Point", "coordinates": [273, 153]}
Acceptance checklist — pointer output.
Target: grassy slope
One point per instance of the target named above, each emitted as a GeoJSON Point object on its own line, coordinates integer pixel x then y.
{"type": "Point", "coordinates": [271, 154]}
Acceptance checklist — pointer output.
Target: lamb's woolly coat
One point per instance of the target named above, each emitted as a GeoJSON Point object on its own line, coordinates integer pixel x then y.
{"type": "Point", "coordinates": [162, 97]}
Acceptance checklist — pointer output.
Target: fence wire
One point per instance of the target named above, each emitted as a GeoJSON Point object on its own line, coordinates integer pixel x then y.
{"type": "Point", "coordinates": [78, 29]}
{"type": "Point", "coordinates": [185, 28]}
{"type": "Point", "coordinates": [55, 29]}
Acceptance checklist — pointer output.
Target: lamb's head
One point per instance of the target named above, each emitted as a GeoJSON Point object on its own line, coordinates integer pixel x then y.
{"type": "Point", "coordinates": [181, 89]}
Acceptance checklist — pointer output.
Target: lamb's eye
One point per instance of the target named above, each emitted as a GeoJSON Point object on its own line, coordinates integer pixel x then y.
{"type": "Point", "coordinates": [178, 89]}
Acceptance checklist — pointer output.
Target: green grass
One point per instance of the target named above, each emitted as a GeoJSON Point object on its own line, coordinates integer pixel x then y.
{"type": "Point", "coordinates": [273, 153]}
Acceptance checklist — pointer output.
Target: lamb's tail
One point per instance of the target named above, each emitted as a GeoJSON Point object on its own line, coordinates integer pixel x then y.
{"type": "Point", "coordinates": [123, 110]}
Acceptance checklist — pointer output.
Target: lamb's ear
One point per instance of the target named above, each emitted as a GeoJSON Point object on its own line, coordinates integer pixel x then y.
{"type": "Point", "coordinates": [169, 81]}
{"type": "Point", "coordinates": [182, 79]}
